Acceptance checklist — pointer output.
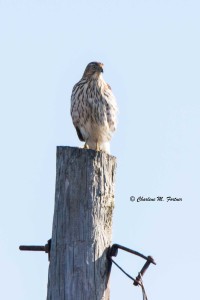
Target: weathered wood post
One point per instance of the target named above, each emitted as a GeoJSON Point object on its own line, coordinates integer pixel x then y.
{"type": "Point", "coordinates": [82, 225]}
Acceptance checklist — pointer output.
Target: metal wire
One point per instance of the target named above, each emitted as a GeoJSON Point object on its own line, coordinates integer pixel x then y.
{"type": "Point", "coordinates": [140, 283]}
{"type": "Point", "coordinates": [143, 289]}
{"type": "Point", "coordinates": [122, 270]}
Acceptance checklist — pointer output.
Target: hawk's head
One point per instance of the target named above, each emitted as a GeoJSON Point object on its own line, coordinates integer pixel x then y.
{"type": "Point", "coordinates": [93, 69]}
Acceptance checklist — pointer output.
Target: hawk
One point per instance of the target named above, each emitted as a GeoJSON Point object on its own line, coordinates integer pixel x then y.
{"type": "Point", "coordinates": [94, 109]}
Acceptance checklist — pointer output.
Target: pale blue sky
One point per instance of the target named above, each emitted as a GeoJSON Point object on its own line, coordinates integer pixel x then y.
{"type": "Point", "coordinates": [150, 50]}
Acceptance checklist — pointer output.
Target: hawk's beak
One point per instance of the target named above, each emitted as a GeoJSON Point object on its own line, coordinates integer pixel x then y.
{"type": "Point", "coordinates": [101, 68]}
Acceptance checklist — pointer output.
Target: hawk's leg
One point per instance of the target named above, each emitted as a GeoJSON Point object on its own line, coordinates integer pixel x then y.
{"type": "Point", "coordinates": [97, 147]}
{"type": "Point", "coordinates": [85, 146]}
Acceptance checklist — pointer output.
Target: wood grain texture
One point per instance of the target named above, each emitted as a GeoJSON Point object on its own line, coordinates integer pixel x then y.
{"type": "Point", "coordinates": [82, 225]}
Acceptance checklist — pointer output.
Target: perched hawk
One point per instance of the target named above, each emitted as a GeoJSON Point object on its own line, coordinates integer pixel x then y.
{"type": "Point", "coordinates": [94, 109]}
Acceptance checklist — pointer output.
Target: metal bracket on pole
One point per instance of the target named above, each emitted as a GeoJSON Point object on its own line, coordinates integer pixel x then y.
{"type": "Point", "coordinates": [114, 251]}
{"type": "Point", "coordinates": [46, 248]}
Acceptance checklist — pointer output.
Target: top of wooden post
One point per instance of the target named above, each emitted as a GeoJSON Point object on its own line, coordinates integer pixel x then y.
{"type": "Point", "coordinates": [83, 151]}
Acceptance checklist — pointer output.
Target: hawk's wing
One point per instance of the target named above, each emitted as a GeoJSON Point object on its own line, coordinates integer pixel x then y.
{"type": "Point", "coordinates": [79, 134]}
{"type": "Point", "coordinates": [111, 107]}
{"type": "Point", "coordinates": [77, 108]}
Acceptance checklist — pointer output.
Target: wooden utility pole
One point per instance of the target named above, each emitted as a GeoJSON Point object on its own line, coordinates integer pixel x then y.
{"type": "Point", "coordinates": [82, 225]}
